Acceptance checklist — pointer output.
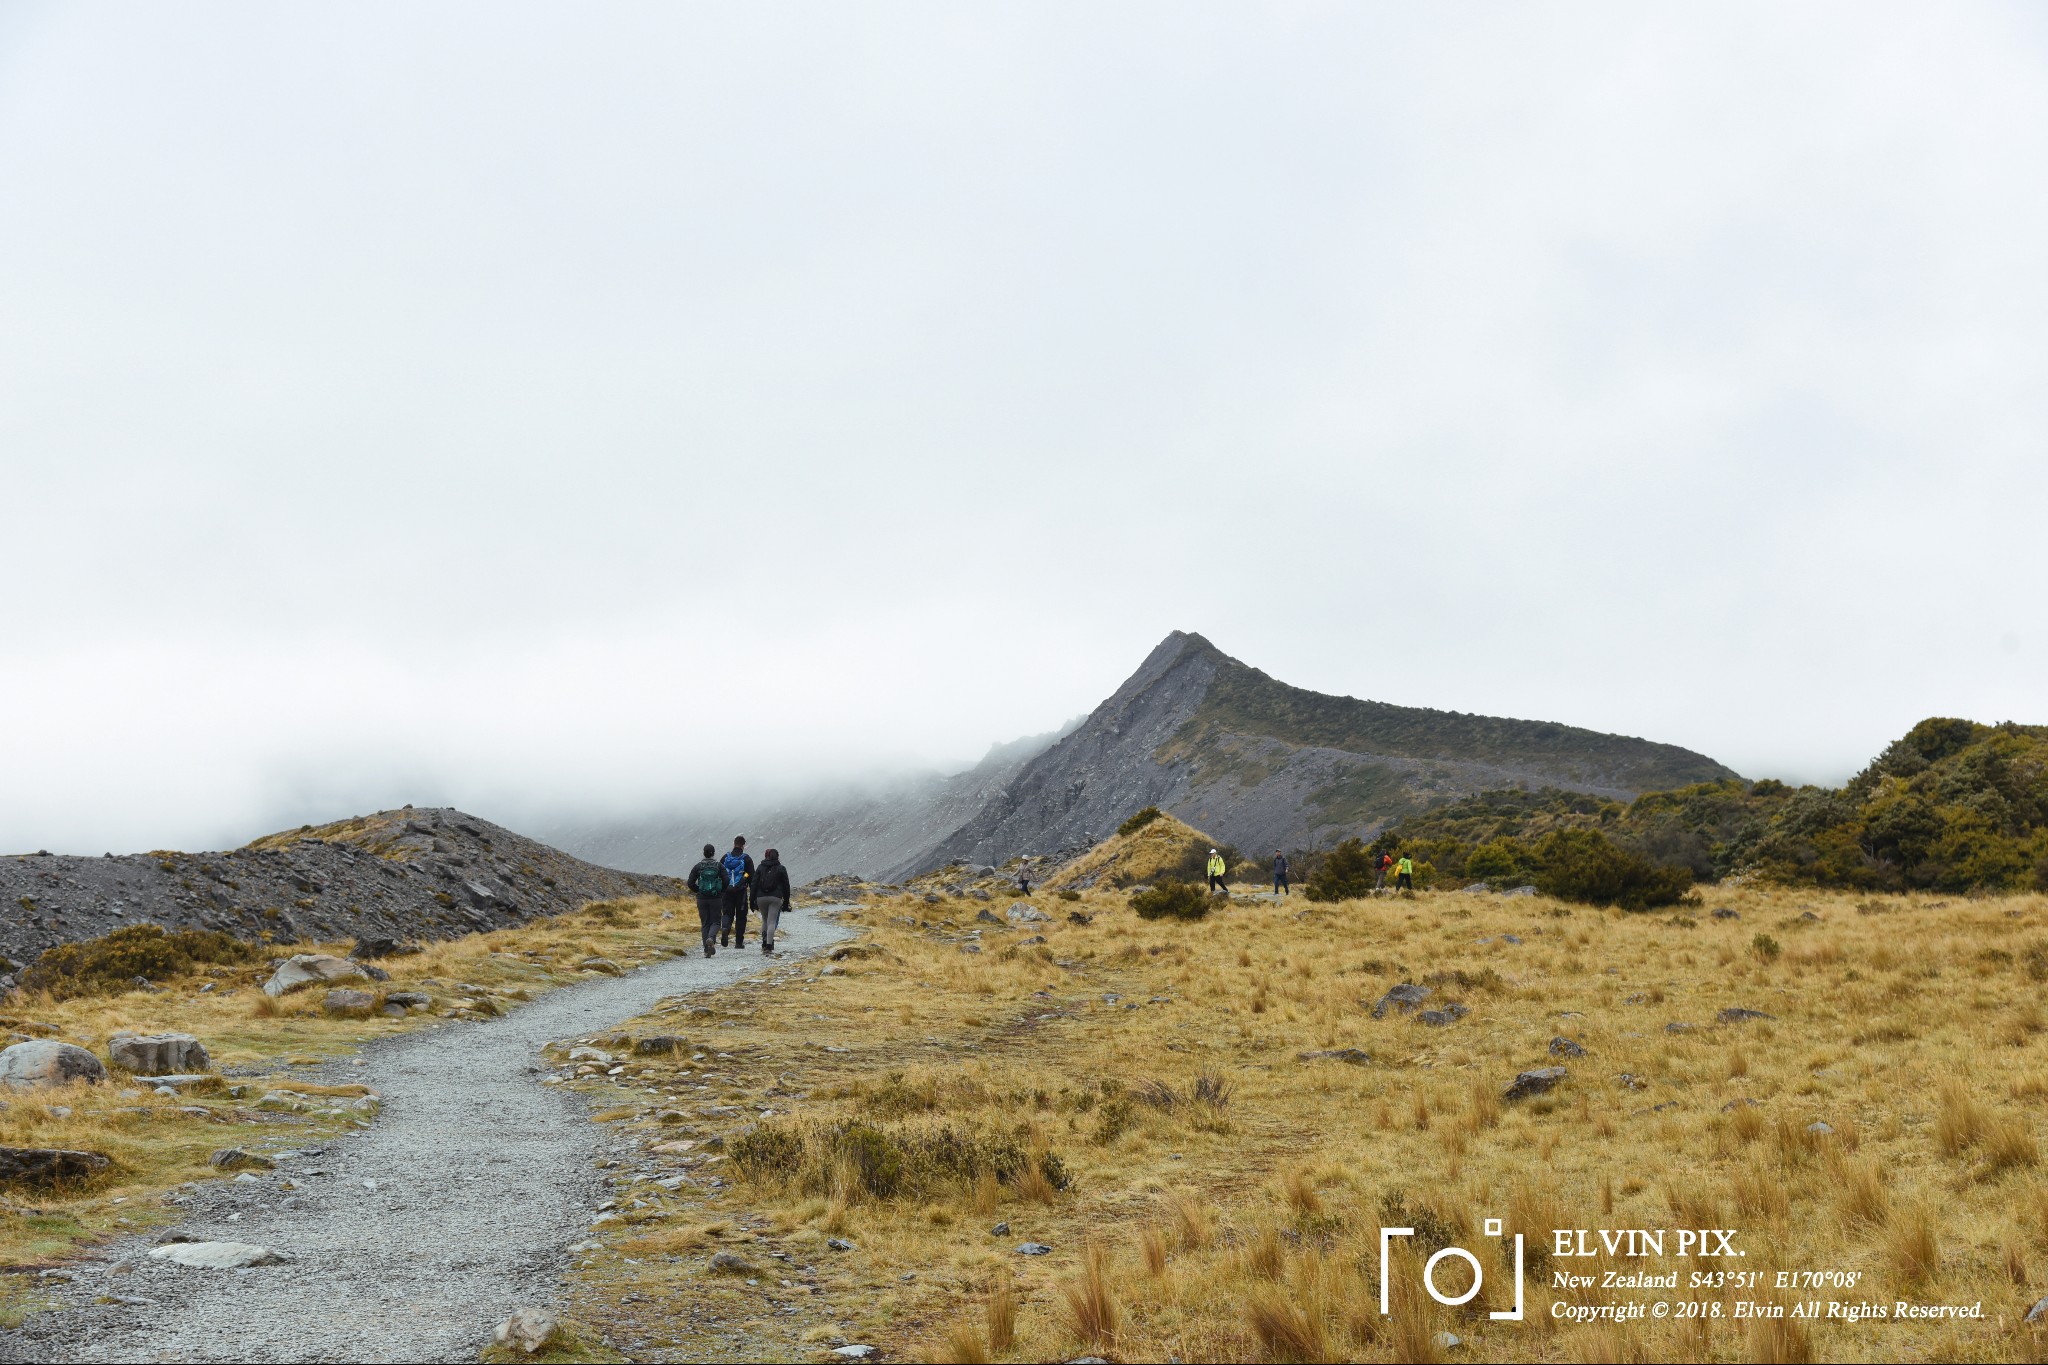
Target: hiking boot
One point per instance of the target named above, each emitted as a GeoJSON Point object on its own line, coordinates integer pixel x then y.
{"type": "Point", "coordinates": [710, 951]}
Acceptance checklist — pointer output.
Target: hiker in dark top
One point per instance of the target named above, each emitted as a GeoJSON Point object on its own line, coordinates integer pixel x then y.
{"type": "Point", "coordinates": [1280, 887]}
{"type": "Point", "coordinates": [739, 892]}
{"type": "Point", "coordinates": [771, 895]}
{"type": "Point", "coordinates": [707, 879]}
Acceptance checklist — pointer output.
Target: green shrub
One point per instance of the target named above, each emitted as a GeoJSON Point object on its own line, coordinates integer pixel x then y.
{"type": "Point", "coordinates": [1765, 947]}
{"type": "Point", "coordinates": [1585, 865]}
{"type": "Point", "coordinates": [1495, 860]}
{"type": "Point", "coordinates": [1069, 895]}
{"type": "Point", "coordinates": [1171, 900]}
{"type": "Point", "coordinates": [106, 965]}
{"type": "Point", "coordinates": [1346, 873]}
{"type": "Point", "coordinates": [1139, 821]}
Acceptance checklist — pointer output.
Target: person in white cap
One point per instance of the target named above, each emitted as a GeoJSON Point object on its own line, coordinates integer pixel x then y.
{"type": "Point", "coordinates": [1216, 870]}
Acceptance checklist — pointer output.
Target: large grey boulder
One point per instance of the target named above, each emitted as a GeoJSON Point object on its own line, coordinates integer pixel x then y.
{"type": "Point", "coordinates": [343, 1001]}
{"type": "Point", "coordinates": [311, 969]}
{"type": "Point", "coordinates": [47, 1165]}
{"type": "Point", "coordinates": [45, 1061]}
{"type": "Point", "coordinates": [158, 1054]}
{"type": "Point", "coordinates": [1024, 912]}
{"type": "Point", "coordinates": [529, 1329]}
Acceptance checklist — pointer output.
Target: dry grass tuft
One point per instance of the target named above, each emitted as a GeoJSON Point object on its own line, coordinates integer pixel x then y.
{"type": "Point", "coordinates": [1092, 1312]}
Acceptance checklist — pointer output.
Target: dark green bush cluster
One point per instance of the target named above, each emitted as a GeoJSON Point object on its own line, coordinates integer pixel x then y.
{"type": "Point", "coordinates": [108, 964]}
{"type": "Point", "coordinates": [886, 1160]}
{"type": "Point", "coordinates": [1139, 821]}
{"type": "Point", "coordinates": [1585, 865]}
{"type": "Point", "coordinates": [1345, 873]}
{"type": "Point", "coordinates": [1172, 900]}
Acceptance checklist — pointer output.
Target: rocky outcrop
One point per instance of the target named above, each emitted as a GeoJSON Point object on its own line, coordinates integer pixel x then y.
{"type": "Point", "coordinates": [310, 969]}
{"type": "Point", "coordinates": [158, 1054]}
{"type": "Point", "coordinates": [46, 1062]}
{"type": "Point", "coordinates": [381, 879]}
{"type": "Point", "coordinates": [43, 1166]}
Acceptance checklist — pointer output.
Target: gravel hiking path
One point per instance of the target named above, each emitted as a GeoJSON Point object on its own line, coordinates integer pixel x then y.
{"type": "Point", "coordinates": [482, 1180]}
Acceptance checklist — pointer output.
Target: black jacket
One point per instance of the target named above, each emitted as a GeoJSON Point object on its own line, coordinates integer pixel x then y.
{"type": "Point", "coordinates": [745, 890]}
{"type": "Point", "coordinates": [703, 863]}
{"type": "Point", "coordinates": [772, 879]}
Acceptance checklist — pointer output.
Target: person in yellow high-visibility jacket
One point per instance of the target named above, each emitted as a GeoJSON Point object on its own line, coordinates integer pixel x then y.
{"type": "Point", "coordinates": [1216, 871]}
{"type": "Point", "coordinates": [1404, 874]}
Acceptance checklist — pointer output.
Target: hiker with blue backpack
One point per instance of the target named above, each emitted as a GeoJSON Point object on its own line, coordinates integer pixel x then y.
{"type": "Point", "coordinates": [707, 879]}
{"type": "Point", "coordinates": [738, 866]}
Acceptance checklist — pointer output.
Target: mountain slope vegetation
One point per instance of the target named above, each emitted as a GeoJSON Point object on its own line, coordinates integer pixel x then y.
{"type": "Point", "coordinates": [1952, 805]}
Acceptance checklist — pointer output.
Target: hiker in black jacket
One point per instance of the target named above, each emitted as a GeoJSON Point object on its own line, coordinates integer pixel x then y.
{"type": "Point", "coordinates": [739, 892]}
{"type": "Point", "coordinates": [771, 895]}
{"type": "Point", "coordinates": [707, 879]}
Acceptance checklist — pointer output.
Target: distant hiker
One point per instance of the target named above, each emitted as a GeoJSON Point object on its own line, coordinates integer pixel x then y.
{"type": "Point", "coordinates": [1280, 887]}
{"type": "Point", "coordinates": [739, 892]}
{"type": "Point", "coordinates": [771, 894]}
{"type": "Point", "coordinates": [707, 879]}
{"type": "Point", "coordinates": [1216, 871]}
{"type": "Point", "coordinates": [1023, 878]}
{"type": "Point", "coordinates": [1404, 874]}
{"type": "Point", "coordinates": [1379, 867]}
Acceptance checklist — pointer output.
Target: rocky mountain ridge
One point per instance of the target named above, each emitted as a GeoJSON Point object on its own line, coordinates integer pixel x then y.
{"type": "Point", "coordinates": [402, 874]}
{"type": "Point", "coordinates": [1228, 749]}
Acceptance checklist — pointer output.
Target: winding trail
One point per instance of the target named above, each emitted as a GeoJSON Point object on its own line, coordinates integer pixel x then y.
{"type": "Point", "coordinates": [482, 1179]}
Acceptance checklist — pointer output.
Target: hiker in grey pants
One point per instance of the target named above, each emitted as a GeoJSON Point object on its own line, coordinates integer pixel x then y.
{"type": "Point", "coordinates": [771, 893]}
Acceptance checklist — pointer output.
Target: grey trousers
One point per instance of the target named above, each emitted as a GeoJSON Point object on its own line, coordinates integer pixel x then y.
{"type": "Point", "coordinates": [770, 910]}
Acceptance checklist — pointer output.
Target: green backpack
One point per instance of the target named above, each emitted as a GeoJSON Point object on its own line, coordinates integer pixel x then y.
{"type": "Point", "coordinates": [710, 879]}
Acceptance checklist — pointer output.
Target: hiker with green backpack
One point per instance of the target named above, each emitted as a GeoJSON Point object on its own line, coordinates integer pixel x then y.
{"type": "Point", "coordinates": [707, 879]}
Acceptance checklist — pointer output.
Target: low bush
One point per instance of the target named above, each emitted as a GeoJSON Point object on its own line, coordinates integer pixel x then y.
{"type": "Point", "coordinates": [1585, 865]}
{"type": "Point", "coordinates": [1171, 900]}
{"type": "Point", "coordinates": [110, 963]}
{"type": "Point", "coordinates": [1344, 874]}
{"type": "Point", "coordinates": [1139, 821]}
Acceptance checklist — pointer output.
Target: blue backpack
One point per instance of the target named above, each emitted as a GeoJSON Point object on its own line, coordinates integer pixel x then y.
{"type": "Point", "coordinates": [735, 865]}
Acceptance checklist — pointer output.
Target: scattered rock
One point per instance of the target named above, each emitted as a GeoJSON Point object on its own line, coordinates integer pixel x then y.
{"type": "Point", "coordinates": [409, 1000]}
{"type": "Point", "coordinates": [853, 1352]}
{"type": "Point", "coordinates": [660, 1045]}
{"type": "Point", "coordinates": [1723, 912]}
{"type": "Point", "coordinates": [218, 1255]}
{"type": "Point", "coordinates": [1631, 1082]}
{"type": "Point", "coordinates": [1024, 912]}
{"type": "Point", "coordinates": [46, 1062]}
{"type": "Point", "coordinates": [345, 1001]}
{"type": "Point", "coordinates": [235, 1159]}
{"type": "Point", "coordinates": [1565, 1047]}
{"type": "Point", "coordinates": [1033, 1249]}
{"type": "Point", "coordinates": [839, 1244]}
{"type": "Point", "coordinates": [1511, 938]}
{"type": "Point", "coordinates": [1821, 1128]}
{"type": "Point", "coordinates": [2038, 1311]}
{"type": "Point", "coordinates": [1443, 1018]}
{"type": "Point", "coordinates": [725, 1263]}
{"type": "Point", "coordinates": [1738, 1015]}
{"type": "Point", "coordinates": [310, 969]}
{"type": "Point", "coordinates": [1403, 998]}
{"type": "Point", "coordinates": [603, 965]}
{"type": "Point", "coordinates": [530, 1329]}
{"type": "Point", "coordinates": [970, 947]}
{"type": "Point", "coordinates": [47, 1165]}
{"type": "Point", "coordinates": [1679, 1026]}
{"type": "Point", "coordinates": [1076, 917]}
{"type": "Point", "coordinates": [158, 1054]}
{"type": "Point", "coordinates": [590, 1054]}
{"type": "Point", "coordinates": [1000, 1230]}
{"type": "Point", "coordinates": [1447, 1341]}
{"type": "Point", "coordinates": [987, 916]}
{"type": "Point", "coordinates": [1740, 1102]}
{"type": "Point", "coordinates": [1353, 1055]}
{"type": "Point", "coordinates": [1538, 1082]}
{"type": "Point", "coordinates": [1810, 917]}
{"type": "Point", "coordinates": [1479, 889]}
{"type": "Point", "coordinates": [1520, 891]}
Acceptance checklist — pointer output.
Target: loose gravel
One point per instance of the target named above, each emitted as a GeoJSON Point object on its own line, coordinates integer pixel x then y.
{"type": "Point", "coordinates": [412, 1240]}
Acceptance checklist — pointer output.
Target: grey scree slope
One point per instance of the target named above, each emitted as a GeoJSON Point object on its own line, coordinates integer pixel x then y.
{"type": "Point", "coordinates": [484, 1178]}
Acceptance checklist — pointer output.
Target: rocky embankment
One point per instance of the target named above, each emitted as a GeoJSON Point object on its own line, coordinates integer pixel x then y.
{"type": "Point", "coordinates": [403, 874]}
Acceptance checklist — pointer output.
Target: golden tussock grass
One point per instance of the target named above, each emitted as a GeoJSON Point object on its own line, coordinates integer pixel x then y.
{"type": "Point", "coordinates": [1882, 1121]}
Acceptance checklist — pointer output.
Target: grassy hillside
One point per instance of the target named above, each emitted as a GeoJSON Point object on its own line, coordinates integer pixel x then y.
{"type": "Point", "coordinates": [1951, 806]}
{"type": "Point", "coordinates": [1158, 848]}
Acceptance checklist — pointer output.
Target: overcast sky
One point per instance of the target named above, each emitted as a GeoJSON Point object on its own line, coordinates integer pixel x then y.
{"type": "Point", "coordinates": [569, 409]}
